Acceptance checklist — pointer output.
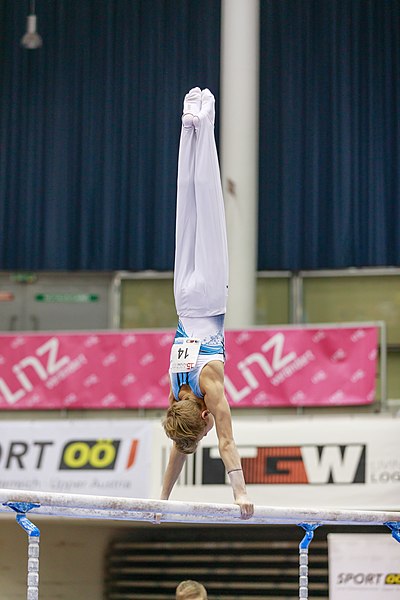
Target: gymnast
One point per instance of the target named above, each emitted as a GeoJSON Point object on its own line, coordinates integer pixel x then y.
{"type": "Point", "coordinates": [197, 399]}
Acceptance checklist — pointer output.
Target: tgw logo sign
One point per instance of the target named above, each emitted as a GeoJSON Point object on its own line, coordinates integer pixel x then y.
{"type": "Point", "coordinates": [315, 465]}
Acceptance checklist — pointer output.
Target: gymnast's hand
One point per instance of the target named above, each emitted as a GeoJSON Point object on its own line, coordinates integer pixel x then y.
{"type": "Point", "coordinates": [246, 507]}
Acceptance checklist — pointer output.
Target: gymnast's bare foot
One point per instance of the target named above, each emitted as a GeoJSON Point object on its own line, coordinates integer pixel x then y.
{"type": "Point", "coordinates": [191, 106]}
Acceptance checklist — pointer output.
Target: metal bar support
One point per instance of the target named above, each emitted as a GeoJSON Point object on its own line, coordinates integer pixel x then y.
{"type": "Point", "coordinates": [21, 508]}
{"type": "Point", "coordinates": [303, 558]}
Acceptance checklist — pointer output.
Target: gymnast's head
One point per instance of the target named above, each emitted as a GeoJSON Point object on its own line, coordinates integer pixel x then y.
{"type": "Point", "coordinates": [187, 422]}
{"type": "Point", "coordinates": [190, 590]}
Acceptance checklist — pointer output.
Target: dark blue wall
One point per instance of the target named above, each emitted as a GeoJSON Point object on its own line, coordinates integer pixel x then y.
{"type": "Point", "coordinates": [329, 134]}
{"type": "Point", "coordinates": [89, 128]}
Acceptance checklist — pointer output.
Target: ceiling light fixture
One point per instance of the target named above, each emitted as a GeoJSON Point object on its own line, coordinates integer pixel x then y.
{"type": "Point", "coordinates": [31, 39]}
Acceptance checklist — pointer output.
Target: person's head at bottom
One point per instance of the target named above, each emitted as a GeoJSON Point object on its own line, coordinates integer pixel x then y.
{"type": "Point", "coordinates": [187, 422]}
{"type": "Point", "coordinates": [190, 590]}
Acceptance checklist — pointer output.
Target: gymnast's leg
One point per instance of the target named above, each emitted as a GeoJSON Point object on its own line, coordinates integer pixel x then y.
{"type": "Point", "coordinates": [211, 246]}
{"type": "Point", "coordinates": [186, 220]}
{"type": "Point", "coordinates": [208, 290]}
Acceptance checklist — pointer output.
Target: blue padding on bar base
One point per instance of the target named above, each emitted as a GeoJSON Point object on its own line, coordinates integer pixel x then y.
{"type": "Point", "coordinates": [21, 508]}
{"type": "Point", "coordinates": [28, 526]}
{"type": "Point", "coordinates": [394, 527]}
{"type": "Point", "coordinates": [309, 529]}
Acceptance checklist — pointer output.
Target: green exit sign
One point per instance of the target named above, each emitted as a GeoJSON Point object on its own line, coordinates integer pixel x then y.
{"type": "Point", "coordinates": [67, 298]}
{"type": "Point", "coordinates": [23, 277]}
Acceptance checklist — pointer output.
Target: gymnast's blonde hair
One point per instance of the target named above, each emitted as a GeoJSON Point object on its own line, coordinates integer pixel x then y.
{"type": "Point", "coordinates": [191, 590]}
{"type": "Point", "coordinates": [183, 423]}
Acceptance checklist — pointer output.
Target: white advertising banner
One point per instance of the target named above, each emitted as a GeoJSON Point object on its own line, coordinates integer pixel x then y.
{"type": "Point", "coordinates": [101, 457]}
{"type": "Point", "coordinates": [300, 462]}
{"type": "Point", "coordinates": [363, 566]}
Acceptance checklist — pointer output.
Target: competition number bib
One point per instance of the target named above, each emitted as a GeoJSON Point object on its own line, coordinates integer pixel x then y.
{"type": "Point", "coordinates": [184, 353]}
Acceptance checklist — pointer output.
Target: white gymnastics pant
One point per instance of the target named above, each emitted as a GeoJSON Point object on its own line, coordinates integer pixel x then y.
{"type": "Point", "coordinates": [201, 251]}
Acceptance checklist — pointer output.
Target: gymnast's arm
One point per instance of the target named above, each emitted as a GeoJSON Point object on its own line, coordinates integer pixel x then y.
{"type": "Point", "coordinates": [217, 404]}
{"type": "Point", "coordinates": [175, 465]}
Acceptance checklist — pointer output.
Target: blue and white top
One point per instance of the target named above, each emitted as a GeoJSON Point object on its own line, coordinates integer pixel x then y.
{"type": "Point", "coordinates": [210, 330]}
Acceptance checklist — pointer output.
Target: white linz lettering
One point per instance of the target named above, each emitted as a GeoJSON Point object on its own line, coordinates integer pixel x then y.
{"type": "Point", "coordinates": [52, 366]}
{"type": "Point", "coordinates": [276, 344]}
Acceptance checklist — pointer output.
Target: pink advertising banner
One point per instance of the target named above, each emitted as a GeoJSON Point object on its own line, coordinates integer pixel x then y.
{"type": "Point", "coordinates": [265, 367]}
